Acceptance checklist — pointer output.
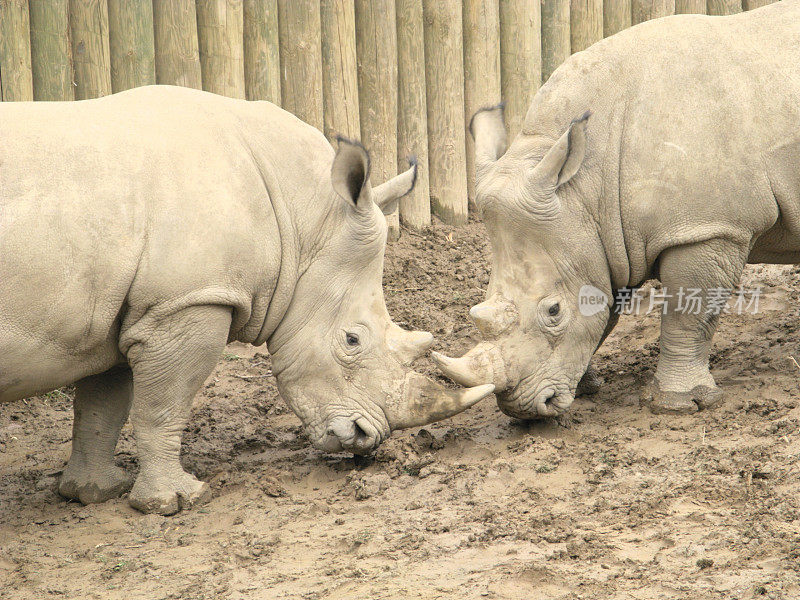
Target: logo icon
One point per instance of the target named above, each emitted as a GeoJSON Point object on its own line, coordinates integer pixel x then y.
{"type": "Point", "coordinates": [591, 300]}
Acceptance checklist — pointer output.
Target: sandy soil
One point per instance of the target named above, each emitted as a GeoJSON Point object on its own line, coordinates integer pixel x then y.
{"type": "Point", "coordinates": [608, 502]}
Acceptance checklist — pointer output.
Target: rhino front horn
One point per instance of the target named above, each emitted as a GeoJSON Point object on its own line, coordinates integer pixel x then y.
{"type": "Point", "coordinates": [425, 401]}
{"type": "Point", "coordinates": [481, 365]}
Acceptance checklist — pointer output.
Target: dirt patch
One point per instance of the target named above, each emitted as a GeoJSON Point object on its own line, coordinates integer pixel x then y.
{"type": "Point", "coordinates": [608, 502]}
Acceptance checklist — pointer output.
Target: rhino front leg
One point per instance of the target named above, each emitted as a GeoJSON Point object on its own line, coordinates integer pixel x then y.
{"type": "Point", "coordinates": [101, 409]}
{"type": "Point", "coordinates": [683, 382]}
{"type": "Point", "coordinates": [169, 366]}
{"type": "Point", "coordinates": [591, 382]}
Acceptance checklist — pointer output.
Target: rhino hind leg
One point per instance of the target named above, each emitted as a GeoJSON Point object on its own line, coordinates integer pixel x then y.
{"type": "Point", "coordinates": [101, 409]}
{"type": "Point", "coordinates": [170, 363]}
{"type": "Point", "coordinates": [683, 382]}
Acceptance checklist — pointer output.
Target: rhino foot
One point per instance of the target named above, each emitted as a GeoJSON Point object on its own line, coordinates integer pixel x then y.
{"type": "Point", "coordinates": [701, 397]}
{"type": "Point", "coordinates": [91, 486]}
{"type": "Point", "coordinates": [166, 495]}
{"type": "Point", "coordinates": [590, 383]}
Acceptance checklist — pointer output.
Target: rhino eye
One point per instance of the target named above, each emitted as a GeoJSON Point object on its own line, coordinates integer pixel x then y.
{"type": "Point", "coordinates": [553, 310]}
{"type": "Point", "coordinates": [352, 339]}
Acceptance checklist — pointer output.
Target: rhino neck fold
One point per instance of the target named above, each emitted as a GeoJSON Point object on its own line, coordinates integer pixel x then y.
{"type": "Point", "coordinates": [282, 293]}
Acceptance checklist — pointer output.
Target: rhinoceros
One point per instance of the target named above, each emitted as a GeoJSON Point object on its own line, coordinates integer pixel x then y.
{"type": "Point", "coordinates": [668, 151]}
{"type": "Point", "coordinates": [142, 231]}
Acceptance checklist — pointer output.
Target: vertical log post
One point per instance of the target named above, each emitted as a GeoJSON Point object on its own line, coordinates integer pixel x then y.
{"type": "Point", "coordinates": [444, 76]}
{"type": "Point", "coordinates": [690, 6]}
{"type": "Point", "coordinates": [376, 46]}
{"type": "Point", "coordinates": [51, 54]}
{"type": "Point", "coordinates": [520, 57]}
{"type": "Point", "coordinates": [177, 52]}
{"type": "Point", "coordinates": [130, 33]}
{"type": "Point", "coordinates": [556, 44]}
{"type": "Point", "coordinates": [616, 16]}
{"type": "Point", "coordinates": [723, 7]}
{"type": "Point", "coordinates": [481, 68]}
{"type": "Point", "coordinates": [91, 55]}
{"type": "Point", "coordinates": [262, 63]}
{"type": "Point", "coordinates": [412, 116]}
{"type": "Point", "coordinates": [220, 34]}
{"type": "Point", "coordinates": [15, 51]}
{"type": "Point", "coordinates": [586, 23]}
{"type": "Point", "coordinates": [301, 59]}
{"type": "Point", "coordinates": [339, 69]}
{"type": "Point", "coordinates": [753, 4]}
{"type": "Point", "coordinates": [645, 10]}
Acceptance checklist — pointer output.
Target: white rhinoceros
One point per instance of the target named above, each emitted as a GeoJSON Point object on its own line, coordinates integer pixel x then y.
{"type": "Point", "coordinates": [669, 151]}
{"type": "Point", "coordinates": [142, 231]}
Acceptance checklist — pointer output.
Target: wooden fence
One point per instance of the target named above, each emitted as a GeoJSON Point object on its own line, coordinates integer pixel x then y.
{"type": "Point", "coordinates": [402, 75]}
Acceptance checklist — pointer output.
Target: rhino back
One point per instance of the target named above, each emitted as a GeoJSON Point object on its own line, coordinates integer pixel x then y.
{"type": "Point", "coordinates": [686, 112]}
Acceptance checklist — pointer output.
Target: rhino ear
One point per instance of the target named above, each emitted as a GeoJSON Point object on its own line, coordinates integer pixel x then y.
{"type": "Point", "coordinates": [388, 194]}
{"type": "Point", "coordinates": [350, 172]}
{"type": "Point", "coordinates": [488, 129]}
{"type": "Point", "coordinates": [564, 159]}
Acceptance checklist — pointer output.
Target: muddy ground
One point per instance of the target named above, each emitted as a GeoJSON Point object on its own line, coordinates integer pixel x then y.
{"type": "Point", "coordinates": [608, 502]}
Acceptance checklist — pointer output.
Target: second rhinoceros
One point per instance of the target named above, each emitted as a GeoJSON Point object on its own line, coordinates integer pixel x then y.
{"type": "Point", "coordinates": [141, 232]}
{"type": "Point", "coordinates": [668, 151]}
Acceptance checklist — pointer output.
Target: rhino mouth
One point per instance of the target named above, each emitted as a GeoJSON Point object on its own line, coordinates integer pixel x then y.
{"type": "Point", "coordinates": [536, 399]}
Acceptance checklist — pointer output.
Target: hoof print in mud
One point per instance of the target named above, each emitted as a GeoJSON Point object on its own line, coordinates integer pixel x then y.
{"type": "Point", "coordinates": [660, 402]}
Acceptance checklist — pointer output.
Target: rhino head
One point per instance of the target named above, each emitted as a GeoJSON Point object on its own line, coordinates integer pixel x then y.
{"type": "Point", "coordinates": [340, 362]}
{"type": "Point", "coordinates": [537, 342]}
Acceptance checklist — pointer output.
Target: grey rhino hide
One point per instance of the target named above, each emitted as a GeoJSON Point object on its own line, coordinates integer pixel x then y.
{"type": "Point", "coordinates": [670, 151]}
{"type": "Point", "coordinates": [142, 231]}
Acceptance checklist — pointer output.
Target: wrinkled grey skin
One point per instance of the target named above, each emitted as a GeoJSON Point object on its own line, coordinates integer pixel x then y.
{"type": "Point", "coordinates": [141, 232]}
{"type": "Point", "coordinates": [668, 151]}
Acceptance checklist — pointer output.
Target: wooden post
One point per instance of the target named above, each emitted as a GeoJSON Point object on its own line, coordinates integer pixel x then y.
{"type": "Point", "coordinates": [753, 4]}
{"type": "Point", "coordinates": [339, 69]}
{"type": "Point", "coordinates": [556, 44]}
{"type": "Point", "coordinates": [220, 35]}
{"type": "Point", "coordinates": [130, 33]}
{"type": "Point", "coordinates": [586, 23]}
{"type": "Point", "coordinates": [90, 49]}
{"type": "Point", "coordinates": [616, 16]}
{"type": "Point", "coordinates": [690, 6]}
{"type": "Point", "coordinates": [15, 51]}
{"type": "Point", "coordinates": [444, 76]}
{"type": "Point", "coordinates": [723, 7]}
{"type": "Point", "coordinates": [520, 57]}
{"type": "Point", "coordinates": [645, 10]}
{"type": "Point", "coordinates": [301, 59]}
{"type": "Point", "coordinates": [376, 45]}
{"type": "Point", "coordinates": [412, 116]}
{"type": "Point", "coordinates": [262, 63]}
{"type": "Point", "coordinates": [51, 54]}
{"type": "Point", "coordinates": [177, 52]}
{"type": "Point", "coordinates": [482, 82]}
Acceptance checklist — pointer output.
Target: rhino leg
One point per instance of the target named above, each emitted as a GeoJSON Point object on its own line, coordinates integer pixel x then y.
{"type": "Point", "coordinates": [683, 382]}
{"type": "Point", "coordinates": [591, 382]}
{"type": "Point", "coordinates": [101, 409]}
{"type": "Point", "coordinates": [170, 363]}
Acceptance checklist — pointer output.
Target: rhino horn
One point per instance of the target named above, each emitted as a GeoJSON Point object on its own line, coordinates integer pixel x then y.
{"type": "Point", "coordinates": [388, 194]}
{"type": "Point", "coordinates": [408, 346]}
{"type": "Point", "coordinates": [425, 401]}
{"type": "Point", "coordinates": [488, 129]}
{"type": "Point", "coordinates": [481, 365]}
